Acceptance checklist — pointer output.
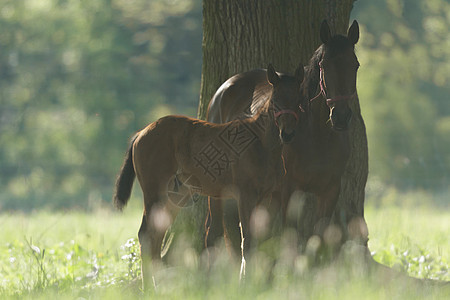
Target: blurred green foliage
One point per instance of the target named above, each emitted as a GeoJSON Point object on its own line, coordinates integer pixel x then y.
{"type": "Point", "coordinates": [78, 78]}
{"type": "Point", "coordinates": [404, 88]}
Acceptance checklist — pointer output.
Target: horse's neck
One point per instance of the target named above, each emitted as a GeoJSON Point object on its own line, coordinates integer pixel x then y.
{"type": "Point", "coordinates": [318, 131]}
{"type": "Point", "coordinates": [267, 131]}
{"type": "Point", "coordinates": [319, 112]}
{"type": "Point", "coordinates": [319, 115]}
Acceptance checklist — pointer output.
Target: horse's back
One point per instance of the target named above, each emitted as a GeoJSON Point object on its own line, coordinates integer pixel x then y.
{"type": "Point", "coordinates": [164, 135]}
{"type": "Point", "coordinates": [234, 97]}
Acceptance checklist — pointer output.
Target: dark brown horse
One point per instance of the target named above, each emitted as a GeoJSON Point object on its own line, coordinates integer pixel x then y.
{"type": "Point", "coordinates": [241, 159]}
{"type": "Point", "coordinates": [316, 157]}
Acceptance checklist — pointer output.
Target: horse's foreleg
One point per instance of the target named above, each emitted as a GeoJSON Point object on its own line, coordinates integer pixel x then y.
{"type": "Point", "coordinates": [283, 197]}
{"type": "Point", "coordinates": [330, 235]}
{"type": "Point", "coordinates": [246, 204]}
{"type": "Point", "coordinates": [326, 204]}
{"type": "Point", "coordinates": [214, 229]}
{"type": "Point", "coordinates": [214, 222]}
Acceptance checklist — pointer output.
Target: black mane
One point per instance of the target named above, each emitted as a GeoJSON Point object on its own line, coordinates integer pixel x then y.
{"type": "Point", "coordinates": [312, 74]}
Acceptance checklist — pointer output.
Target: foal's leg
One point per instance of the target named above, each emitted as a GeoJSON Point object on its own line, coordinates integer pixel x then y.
{"type": "Point", "coordinates": [158, 216]}
{"type": "Point", "coordinates": [146, 250]}
{"type": "Point", "coordinates": [330, 235]}
{"type": "Point", "coordinates": [150, 236]}
{"type": "Point", "coordinates": [246, 203]}
{"type": "Point", "coordinates": [153, 169]}
{"type": "Point", "coordinates": [214, 222]}
{"type": "Point", "coordinates": [326, 204]}
{"type": "Point", "coordinates": [283, 198]}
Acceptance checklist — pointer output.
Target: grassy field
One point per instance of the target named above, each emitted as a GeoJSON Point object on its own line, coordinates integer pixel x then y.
{"type": "Point", "coordinates": [78, 255]}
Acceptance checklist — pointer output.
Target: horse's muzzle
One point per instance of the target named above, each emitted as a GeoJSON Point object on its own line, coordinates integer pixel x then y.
{"type": "Point", "coordinates": [286, 138]}
{"type": "Point", "coordinates": [341, 122]}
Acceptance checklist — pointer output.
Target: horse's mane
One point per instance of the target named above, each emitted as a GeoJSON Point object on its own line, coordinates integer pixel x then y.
{"type": "Point", "coordinates": [312, 74]}
{"type": "Point", "coordinates": [261, 93]}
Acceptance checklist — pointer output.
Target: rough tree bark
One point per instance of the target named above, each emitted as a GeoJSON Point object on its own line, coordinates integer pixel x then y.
{"type": "Point", "coordinates": [244, 35]}
{"type": "Point", "coordinates": [240, 35]}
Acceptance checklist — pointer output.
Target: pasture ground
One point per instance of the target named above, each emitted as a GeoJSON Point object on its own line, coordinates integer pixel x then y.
{"type": "Point", "coordinates": [78, 255]}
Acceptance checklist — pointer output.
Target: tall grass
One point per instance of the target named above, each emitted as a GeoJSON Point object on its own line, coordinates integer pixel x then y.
{"type": "Point", "coordinates": [79, 255]}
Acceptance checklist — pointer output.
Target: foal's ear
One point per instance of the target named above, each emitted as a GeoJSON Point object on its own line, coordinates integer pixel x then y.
{"type": "Point", "coordinates": [325, 33]}
{"type": "Point", "coordinates": [272, 76]}
{"type": "Point", "coordinates": [299, 73]}
{"type": "Point", "coordinates": [353, 33]}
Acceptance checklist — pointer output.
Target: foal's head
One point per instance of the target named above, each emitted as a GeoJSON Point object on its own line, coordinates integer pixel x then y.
{"type": "Point", "coordinates": [338, 66]}
{"type": "Point", "coordinates": [285, 101]}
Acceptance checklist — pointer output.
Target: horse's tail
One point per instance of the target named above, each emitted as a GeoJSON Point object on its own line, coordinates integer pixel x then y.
{"type": "Point", "coordinates": [125, 179]}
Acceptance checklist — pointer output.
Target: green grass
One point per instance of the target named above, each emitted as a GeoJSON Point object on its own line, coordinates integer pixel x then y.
{"type": "Point", "coordinates": [415, 240]}
{"type": "Point", "coordinates": [79, 255]}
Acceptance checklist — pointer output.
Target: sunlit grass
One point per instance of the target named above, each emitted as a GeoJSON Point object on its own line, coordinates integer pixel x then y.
{"type": "Point", "coordinates": [105, 229]}
{"type": "Point", "coordinates": [75, 254]}
{"type": "Point", "coordinates": [414, 239]}
{"type": "Point", "coordinates": [66, 250]}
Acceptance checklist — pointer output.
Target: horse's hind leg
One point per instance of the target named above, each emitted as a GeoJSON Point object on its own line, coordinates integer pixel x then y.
{"type": "Point", "coordinates": [156, 220]}
{"type": "Point", "coordinates": [150, 240]}
{"type": "Point", "coordinates": [146, 250]}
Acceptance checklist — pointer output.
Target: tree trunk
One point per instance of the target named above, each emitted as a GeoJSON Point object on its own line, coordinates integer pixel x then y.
{"type": "Point", "coordinates": [349, 211]}
{"type": "Point", "coordinates": [240, 35]}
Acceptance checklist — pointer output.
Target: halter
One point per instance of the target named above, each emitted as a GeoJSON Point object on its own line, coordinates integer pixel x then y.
{"type": "Point", "coordinates": [276, 114]}
{"type": "Point", "coordinates": [323, 91]}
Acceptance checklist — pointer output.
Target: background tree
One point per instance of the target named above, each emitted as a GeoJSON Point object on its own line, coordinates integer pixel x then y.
{"type": "Point", "coordinates": [244, 35]}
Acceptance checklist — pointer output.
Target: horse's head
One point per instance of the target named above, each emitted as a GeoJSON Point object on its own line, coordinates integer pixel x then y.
{"type": "Point", "coordinates": [338, 66]}
{"type": "Point", "coordinates": [285, 101]}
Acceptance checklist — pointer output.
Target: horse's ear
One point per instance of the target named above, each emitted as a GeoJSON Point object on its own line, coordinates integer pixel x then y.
{"type": "Point", "coordinates": [353, 33]}
{"type": "Point", "coordinates": [325, 33]}
{"type": "Point", "coordinates": [272, 76]}
{"type": "Point", "coordinates": [299, 73]}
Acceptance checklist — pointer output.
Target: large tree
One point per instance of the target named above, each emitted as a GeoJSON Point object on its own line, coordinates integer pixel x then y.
{"type": "Point", "coordinates": [243, 35]}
